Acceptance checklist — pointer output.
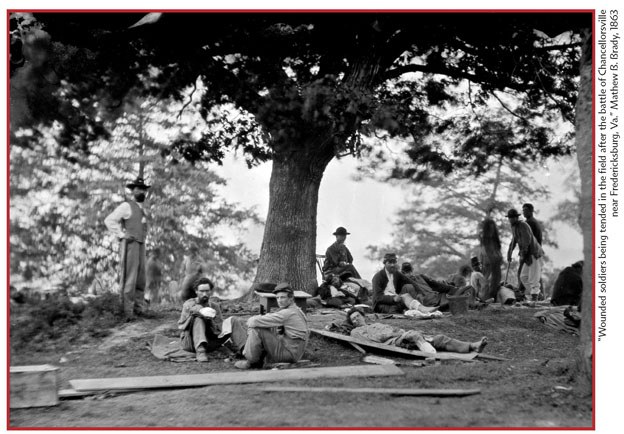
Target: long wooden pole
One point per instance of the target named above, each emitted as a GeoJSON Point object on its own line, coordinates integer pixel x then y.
{"type": "Point", "coordinates": [372, 390]}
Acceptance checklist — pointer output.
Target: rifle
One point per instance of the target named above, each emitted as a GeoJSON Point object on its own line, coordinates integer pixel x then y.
{"type": "Point", "coordinates": [507, 273]}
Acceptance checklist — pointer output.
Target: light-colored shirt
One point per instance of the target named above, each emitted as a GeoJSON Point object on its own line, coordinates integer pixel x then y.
{"type": "Point", "coordinates": [291, 318]}
{"type": "Point", "coordinates": [192, 307]}
{"type": "Point", "coordinates": [390, 289]}
{"type": "Point", "coordinates": [113, 220]}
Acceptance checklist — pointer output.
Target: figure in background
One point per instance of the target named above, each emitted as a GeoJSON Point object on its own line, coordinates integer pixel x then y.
{"type": "Point", "coordinates": [200, 322]}
{"type": "Point", "coordinates": [477, 280]}
{"type": "Point", "coordinates": [128, 222]}
{"type": "Point", "coordinates": [461, 279]}
{"type": "Point", "coordinates": [568, 288]}
{"type": "Point", "coordinates": [491, 257]}
{"type": "Point", "coordinates": [338, 258]}
{"type": "Point", "coordinates": [194, 267]}
{"type": "Point", "coordinates": [153, 278]}
{"type": "Point", "coordinates": [536, 228]}
{"type": "Point", "coordinates": [529, 251]}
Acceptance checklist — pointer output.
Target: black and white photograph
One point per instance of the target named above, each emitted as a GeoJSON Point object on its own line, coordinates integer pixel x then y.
{"type": "Point", "coordinates": [312, 218]}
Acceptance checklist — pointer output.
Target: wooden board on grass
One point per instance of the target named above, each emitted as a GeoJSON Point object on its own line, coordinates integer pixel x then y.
{"type": "Point", "coordinates": [237, 377]}
{"type": "Point", "coordinates": [374, 390]}
{"type": "Point", "coordinates": [397, 350]}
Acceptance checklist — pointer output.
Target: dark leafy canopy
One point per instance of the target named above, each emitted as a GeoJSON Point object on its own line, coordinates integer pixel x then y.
{"type": "Point", "coordinates": [332, 76]}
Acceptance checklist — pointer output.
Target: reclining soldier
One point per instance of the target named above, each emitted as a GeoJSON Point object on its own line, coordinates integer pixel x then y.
{"type": "Point", "coordinates": [410, 339]}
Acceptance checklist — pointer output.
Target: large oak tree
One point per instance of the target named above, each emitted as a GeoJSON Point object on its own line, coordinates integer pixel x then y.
{"type": "Point", "coordinates": [308, 87]}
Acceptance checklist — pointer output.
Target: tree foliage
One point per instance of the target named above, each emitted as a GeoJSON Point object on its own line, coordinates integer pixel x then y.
{"type": "Point", "coordinates": [310, 86]}
{"type": "Point", "coordinates": [336, 75]}
{"type": "Point", "coordinates": [437, 227]}
{"type": "Point", "coordinates": [58, 204]}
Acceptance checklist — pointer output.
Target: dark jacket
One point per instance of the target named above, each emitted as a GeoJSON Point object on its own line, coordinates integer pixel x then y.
{"type": "Point", "coordinates": [334, 255]}
{"type": "Point", "coordinates": [380, 281]}
{"type": "Point", "coordinates": [536, 228]}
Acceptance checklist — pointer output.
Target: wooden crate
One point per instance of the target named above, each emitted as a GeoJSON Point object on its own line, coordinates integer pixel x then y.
{"type": "Point", "coordinates": [33, 386]}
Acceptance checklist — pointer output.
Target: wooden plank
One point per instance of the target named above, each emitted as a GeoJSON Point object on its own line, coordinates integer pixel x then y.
{"type": "Point", "coordinates": [75, 394]}
{"type": "Point", "coordinates": [357, 347]}
{"type": "Point", "coordinates": [372, 390]}
{"type": "Point", "coordinates": [238, 377]}
{"type": "Point", "coordinates": [385, 361]}
{"type": "Point", "coordinates": [396, 350]}
{"type": "Point", "coordinates": [490, 357]}
{"type": "Point", "coordinates": [32, 386]}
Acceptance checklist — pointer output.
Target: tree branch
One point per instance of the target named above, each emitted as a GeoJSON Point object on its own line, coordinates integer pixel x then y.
{"type": "Point", "coordinates": [453, 73]}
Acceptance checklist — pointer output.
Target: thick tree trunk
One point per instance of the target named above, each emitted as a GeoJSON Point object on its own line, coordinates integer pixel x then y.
{"type": "Point", "coordinates": [584, 148]}
{"type": "Point", "coordinates": [289, 244]}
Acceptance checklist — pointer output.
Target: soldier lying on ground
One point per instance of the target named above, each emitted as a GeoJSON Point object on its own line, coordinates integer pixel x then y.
{"type": "Point", "coordinates": [410, 339]}
{"type": "Point", "coordinates": [334, 292]}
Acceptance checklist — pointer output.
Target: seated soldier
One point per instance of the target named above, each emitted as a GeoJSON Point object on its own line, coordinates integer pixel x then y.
{"type": "Point", "coordinates": [279, 336]}
{"type": "Point", "coordinates": [428, 291]}
{"type": "Point", "coordinates": [410, 339]}
{"type": "Point", "coordinates": [568, 287]}
{"type": "Point", "coordinates": [338, 258]}
{"type": "Point", "coordinates": [200, 322]}
{"type": "Point", "coordinates": [461, 279]}
{"type": "Point", "coordinates": [477, 279]}
{"type": "Point", "coordinates": [331, 293]}
{"type": "Point", "coordinates": [393, 292]}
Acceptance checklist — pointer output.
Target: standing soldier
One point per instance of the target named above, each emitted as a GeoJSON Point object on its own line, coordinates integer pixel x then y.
{"type": "Point", "coordinates": [128, 222]}
{"type": "Point", "coordinates": [530, 253]}
{"type": "Point", "coordinates": [536, 228]}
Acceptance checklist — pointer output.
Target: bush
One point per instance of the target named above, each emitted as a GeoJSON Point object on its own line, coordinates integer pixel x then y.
{"type": "Point", "coordinates": [58, 321]}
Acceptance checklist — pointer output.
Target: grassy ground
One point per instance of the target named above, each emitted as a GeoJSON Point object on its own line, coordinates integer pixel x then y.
{"type": "Point", "coordinates": [535, 388]}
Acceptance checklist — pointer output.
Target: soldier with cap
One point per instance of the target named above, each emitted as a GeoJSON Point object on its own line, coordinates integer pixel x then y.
{"type": "Point", "coordinates": [530, 252]}
{"type": "Point", "coordinates": [128, 222]}
{"type": "Point", "coordinates": [279, 336]}
{"type": "Point", "coordinates": [536, 226]}
{"type": "Point", "coordinates": [394, 292]}
{"type": "Point", "coordinates": [338, 258]}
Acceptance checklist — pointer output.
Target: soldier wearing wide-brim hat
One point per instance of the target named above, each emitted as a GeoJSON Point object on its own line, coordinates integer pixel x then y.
{"type": "Point", "coordinates": [338, 258]}
{"type": "Point", "coordinates": [128, 222]}
{"type": "Point", "coordinates": [139, 183]}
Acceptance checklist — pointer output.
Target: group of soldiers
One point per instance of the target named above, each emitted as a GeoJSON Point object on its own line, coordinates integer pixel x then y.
{"type": "Point", "coordinates": [203, 328]}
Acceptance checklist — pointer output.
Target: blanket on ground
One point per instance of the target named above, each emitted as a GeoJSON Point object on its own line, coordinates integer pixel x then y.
{"type": "Point", "coordinates": [557, 320]}
{"type": "Point", "coordinates": [167, 348]}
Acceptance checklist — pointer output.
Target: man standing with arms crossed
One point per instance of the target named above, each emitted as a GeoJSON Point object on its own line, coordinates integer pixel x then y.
{"type": "Point", "coordinates": [128, 222]}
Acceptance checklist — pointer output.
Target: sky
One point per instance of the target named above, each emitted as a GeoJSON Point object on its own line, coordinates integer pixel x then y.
{"type": "Point", "coordinates": [367, 208]}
